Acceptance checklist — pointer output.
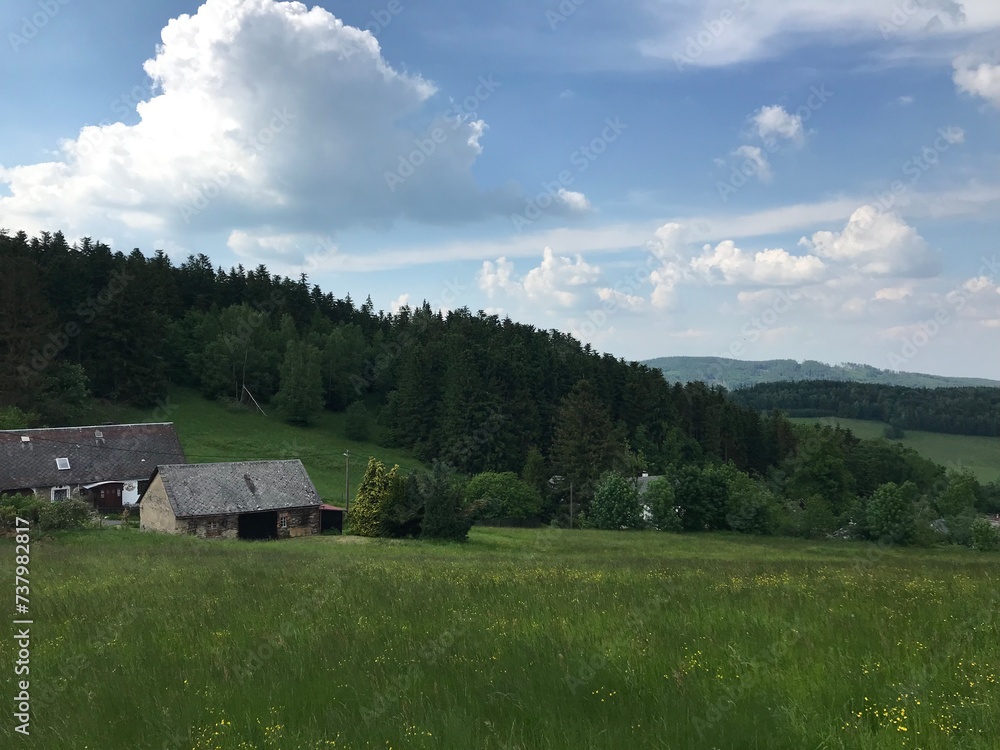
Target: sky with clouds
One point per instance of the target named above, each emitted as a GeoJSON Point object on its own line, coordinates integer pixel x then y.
{"type": "Point", "coordinates": [753, 178]}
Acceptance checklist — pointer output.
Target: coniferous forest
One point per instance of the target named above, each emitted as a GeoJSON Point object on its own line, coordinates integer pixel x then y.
{"type": "Point", "coordinates": [958, 411]}
{"type": "Point", "coordinates": [464, 389]}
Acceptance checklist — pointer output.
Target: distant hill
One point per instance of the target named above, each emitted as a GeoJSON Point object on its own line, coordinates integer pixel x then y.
{"type": "Point", "coordinates": [735, 373]}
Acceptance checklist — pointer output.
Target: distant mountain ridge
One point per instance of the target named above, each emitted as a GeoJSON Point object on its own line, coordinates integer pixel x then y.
{"type": "Point", "coordinates": [735, 373]}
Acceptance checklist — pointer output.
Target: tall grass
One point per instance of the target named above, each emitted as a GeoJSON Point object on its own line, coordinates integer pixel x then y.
{"type": "Point", "coordinates": [518, 639]}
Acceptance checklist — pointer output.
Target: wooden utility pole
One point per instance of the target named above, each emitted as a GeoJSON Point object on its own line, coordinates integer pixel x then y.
{"type": "Point", "coordinates": [347, 483]}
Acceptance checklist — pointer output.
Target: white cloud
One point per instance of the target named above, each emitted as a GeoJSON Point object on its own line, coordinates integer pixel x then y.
{"type": "Point", "coordinates": [877, 244]}
{"type": "Point", "coordinates": [557, 280]}
{"type": "Point", "coordinates": [893, 294]}
{"type": "Point", "coordinates": [576, 202]}
{"type": "Point", "coordinates": [265, 117]}
{"type": "Point", "coordinates": [978, 78]}
{"type": "Point", "coordinates": [758, 163]}
{"type": "Point", "coordinates": [620, 300]}
{"type": "Point", "coordinates": [905, 101]}
{"type": "Point", "coordinates": [399, 303]}
{"type": "Point", "coordinates": [775, 122]}
{"type": "Point", "coordinates": [497, 277]}
{"type": "Point", "coordinates": [715, 33]}
{"type": "Point", "coordinates": [728, 264]}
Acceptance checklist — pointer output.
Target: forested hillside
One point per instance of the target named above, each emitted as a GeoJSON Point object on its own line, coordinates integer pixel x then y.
{"type": "Point", "coordinates": [737, 373]}
{"type": "Point", "coordinates": [473, 390]}
{"type": "Point", "coordinates": [958, 411]}
{"type": "Point", "coordinates": [468, 392]}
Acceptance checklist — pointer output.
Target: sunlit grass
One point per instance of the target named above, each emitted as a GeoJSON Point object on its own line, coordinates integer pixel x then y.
{"type": "Point", "coordinates": [518, 639]}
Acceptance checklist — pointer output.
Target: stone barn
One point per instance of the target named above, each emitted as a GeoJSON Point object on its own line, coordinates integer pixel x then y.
{"type": "Point", "coordinates": [238, 500]}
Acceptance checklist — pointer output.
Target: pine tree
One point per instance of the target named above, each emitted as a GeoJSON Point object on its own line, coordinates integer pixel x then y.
{"type": "Point", "coordinates": [585, 443]}
{"type": "Point", "coordinates": [300, 396]}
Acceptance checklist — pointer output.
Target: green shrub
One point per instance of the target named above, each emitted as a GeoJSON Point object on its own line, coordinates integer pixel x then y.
{"type": "Point", "coordinates": [615, 504]}
{"type": "Point", "coordinates": [14, 506]}
{"type": "Point", "coordinates": [502, 495]}
{"type": "Point", "coordinates": [985, 537]}
{"type": "Point", "coordinates": [659, 498]}
{"type": "Point", "coordinates": [444, 516]}
{"type": "Point", "coordinates": [63, 516]}
{"type": "Point", "coordinates": [752, 507]}
{"type": "Point", "coordinates": [890, 513]}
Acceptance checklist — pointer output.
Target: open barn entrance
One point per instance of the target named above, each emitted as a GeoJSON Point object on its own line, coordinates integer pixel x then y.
{"type": "Point", "coordinates": [263, 525]}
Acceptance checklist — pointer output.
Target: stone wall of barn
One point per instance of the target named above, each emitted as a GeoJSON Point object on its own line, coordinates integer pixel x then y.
{"type": "Point", "coordinates": [301, 522]}
{"type": "Point", "coordinates": [155, 512]}
{"type": "Point", "coordinates": [210, 527]}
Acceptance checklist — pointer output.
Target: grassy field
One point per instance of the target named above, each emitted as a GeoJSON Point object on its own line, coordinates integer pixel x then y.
{"type": "Point", "coordinates": [210, 431]}
{"type": "Point", "coordinates": [518, 639]}
{"type": "Point", "coordinates": [981, 455]}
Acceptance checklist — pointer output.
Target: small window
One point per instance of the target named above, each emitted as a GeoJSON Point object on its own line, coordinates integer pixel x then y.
{"type": "Point", "coordinates": [283, 521]}
{"type": "Point", "coordinates": [62, 464]}
{"type": "Point", "coordinates": [60, 493]}
{"type": "Point", "coordinates": [213, 525]}
{"type": "Point", "coordinates": [98, 434]}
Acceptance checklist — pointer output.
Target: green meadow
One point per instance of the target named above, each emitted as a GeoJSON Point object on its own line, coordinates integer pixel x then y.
{"type": "Point", "coordinates": [981, 455]}
{"type": "Point", "coordinates": [210, 431]}
{"type": "Point", "coordinates": [523, 638]}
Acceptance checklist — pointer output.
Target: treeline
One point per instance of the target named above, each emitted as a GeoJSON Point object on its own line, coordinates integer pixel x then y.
{"type": "Point", "coordinates": [958, 411]}
{"type": "Point", "coordinates": [529, 424]}
{"type": "Point", "coordinates": [472, 390]}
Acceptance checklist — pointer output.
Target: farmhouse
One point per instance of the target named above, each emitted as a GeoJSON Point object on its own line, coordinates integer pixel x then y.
{"type": "Point", "coordinates": [238, 500]}
{"type": "Point", "coordinates": [107, 465]}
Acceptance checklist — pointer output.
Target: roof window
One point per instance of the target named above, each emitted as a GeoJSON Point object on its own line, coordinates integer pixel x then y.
{"type": "Point", "coordinates": [62, 464]}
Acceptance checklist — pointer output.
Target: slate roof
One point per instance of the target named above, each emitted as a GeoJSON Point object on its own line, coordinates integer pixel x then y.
{"type": "Point", "coordinates": [237, 487]}
{"type": "Point", "coordinates": [124, 451]}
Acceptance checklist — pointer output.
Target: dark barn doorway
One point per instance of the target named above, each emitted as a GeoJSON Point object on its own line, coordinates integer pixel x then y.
{"type": "Point", "coordinates": [262, 525]}
{"type": "Point", "coordinates": [331, 518]}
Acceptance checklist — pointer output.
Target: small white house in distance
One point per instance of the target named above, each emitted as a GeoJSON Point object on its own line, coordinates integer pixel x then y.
{"type": "Point", "coordinates": [106, 465]}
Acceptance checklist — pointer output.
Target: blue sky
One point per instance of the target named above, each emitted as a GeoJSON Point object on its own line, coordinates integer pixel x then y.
{"type": "Point", "coordinates": [755, 178]}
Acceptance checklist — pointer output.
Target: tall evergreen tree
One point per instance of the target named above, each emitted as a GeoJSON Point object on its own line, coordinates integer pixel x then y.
{"type": "Point", "coordinates": [586, 443]}
{"type": "Point", "coordinates": [300, 396]}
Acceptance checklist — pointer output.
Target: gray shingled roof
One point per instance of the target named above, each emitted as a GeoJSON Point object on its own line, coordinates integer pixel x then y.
{"type": "Point", "coordinates": [125, 451]}
{"type": "Point", "coordinates": [237, 487]}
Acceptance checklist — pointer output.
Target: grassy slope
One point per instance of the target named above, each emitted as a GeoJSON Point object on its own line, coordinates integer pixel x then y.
{"type": "Point", "coordinates": [979, 454]}
{"type": "Point", "coordinates": [521, 639]}
{"type": "Point", "coordinates": [211, 432]}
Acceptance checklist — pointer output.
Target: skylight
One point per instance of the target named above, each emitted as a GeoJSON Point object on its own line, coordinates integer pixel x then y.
{"type": "Point", "coordinates": [62, 464]}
